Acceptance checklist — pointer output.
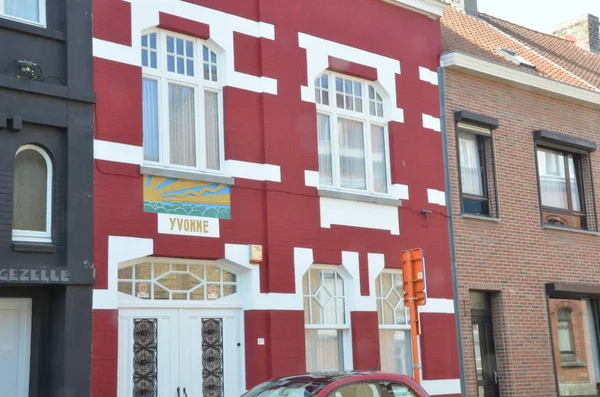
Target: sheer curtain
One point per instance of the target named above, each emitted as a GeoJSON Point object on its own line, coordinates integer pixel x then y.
{"type": "Point", "coordinates": [325, 159]}
{"type": "Point", "coordinates": [150, 119]}
{"type": "Point", "coordinates": [182, 130]}
{"type": "Point", "coordinates": [29, 194]}
{"type": "Point", "coordinates": [24, 9]}
{"type": "Point", "coordinates": [395, 351]}
{"type": "Point", "coordinates": [574, 185]}
{"type": "Point", "coordinates": [352, 154]}
{"type": "Point", "coordinates": [553, 182]}
{"type": "Point", "coordinates": [211, 119]}
{"type": "Point", "coordinates": [323, 350]}
{"type": "Point", "coordinates": [378, 158]}
{"type": "Point", "coordinates": [470, 166]}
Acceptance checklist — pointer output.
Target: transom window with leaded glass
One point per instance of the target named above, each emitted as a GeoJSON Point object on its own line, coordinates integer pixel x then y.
{"type": "Point", "coordinates": [352, 134]}
{"type": "Point", "coordinates": [394, 325]}
{"type": "Point", "coordinates": [176, 281]}
{"type": "Point", "coordinates": [325, 319]}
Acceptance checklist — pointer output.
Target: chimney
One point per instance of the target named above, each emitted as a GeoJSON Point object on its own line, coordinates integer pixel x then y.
{"type": "Point", "coordinates": [584, 31]}
{"type": "Point", "coordinates": [468, 6]}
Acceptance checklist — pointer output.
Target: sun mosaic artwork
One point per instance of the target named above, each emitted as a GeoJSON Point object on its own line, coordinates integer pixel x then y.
{"type": "Point", "coordinates": [174, 196]}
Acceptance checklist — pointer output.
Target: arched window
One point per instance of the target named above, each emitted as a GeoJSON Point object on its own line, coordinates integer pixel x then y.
{"type": "Point", "coordinates": [394, 324]}
{"type": "Point", "coordinates": [182, 102]}
{"type": "Point", "coordinates": [353, 134]}
{"type": "Point", "coordinates": [566, 339]}
{"type": "Point", "coordinates": [32, 195]}
{"type": "Point", "coordinates": [325, 319]}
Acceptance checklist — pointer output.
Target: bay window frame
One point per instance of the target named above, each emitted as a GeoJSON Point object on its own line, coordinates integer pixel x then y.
{"type": "Point", "coordinates": [367, 120]}
{"type": "Point", "coordinates": [196, 82]}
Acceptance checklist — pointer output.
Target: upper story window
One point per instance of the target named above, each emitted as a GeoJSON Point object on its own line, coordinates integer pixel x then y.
{"type": "Point", "coordinates": [325, 319]}
{"type": "Point", "coordinates": [182, 102]}
{"type": "Point", "coordinates": [32, 195]}
{"type": "Point", "coordinates": [394, 325]}
{"type": "Point", "coordinates": [476, 167]}
{"type": "Point", "coordinates": [29, 11]}
{"type": "Point", "coordinates": [353, 135]}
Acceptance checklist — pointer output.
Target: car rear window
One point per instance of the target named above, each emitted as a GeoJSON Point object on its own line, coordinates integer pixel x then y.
{"type": "Point", "coordinates": [286, 388]}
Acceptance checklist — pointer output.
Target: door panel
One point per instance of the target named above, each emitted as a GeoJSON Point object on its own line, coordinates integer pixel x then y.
{"type": "Point", "coordinates": [15, 339]}
{"type": "Point", "coordinates": [485, 356]}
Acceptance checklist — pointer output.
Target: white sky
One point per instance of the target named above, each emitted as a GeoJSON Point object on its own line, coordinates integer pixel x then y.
{"type": "Point", "coordinates": [539, 14]}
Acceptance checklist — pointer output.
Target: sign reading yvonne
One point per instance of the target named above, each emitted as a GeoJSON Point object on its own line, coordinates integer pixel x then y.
{"type": "Point", "coordinates": [188, 225]}
{"type": "Point", "coordinates": [174, 196]}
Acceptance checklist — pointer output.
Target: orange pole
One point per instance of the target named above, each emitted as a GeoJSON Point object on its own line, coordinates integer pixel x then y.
{"type": "Point", "coordinates": [414, 320]}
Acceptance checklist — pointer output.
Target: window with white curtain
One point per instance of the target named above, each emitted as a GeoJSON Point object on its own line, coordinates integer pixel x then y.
{"type": "Point", "coordinates": [28, 11]}
{"type": "Point", "coordinates": [32, 195]}
{"type": "Point", "coordinates": [182, 103]}
{"type": "Point", "coordinates": [352, 134]}
{"type": "Point", "coordinates": [476, 170]}
{"type": "Point", "coordinates": [394, 324]}
{"type": "Point", "coordinates": [325, 319]}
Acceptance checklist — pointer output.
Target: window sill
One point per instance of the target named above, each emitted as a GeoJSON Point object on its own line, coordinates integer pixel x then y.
{"type": "Point", "coordinates": [570, 229]}
{"type": "Point", "coordinates": [31, 28]}
{"type": "Point", "coordinates": [189, 175]}
{"type": "Point", "coordinates": [21, 246]}
{"type": "Point", "coordinates": [359, 197]}
{"type": "Point", "coordinates": [573, 364]}
{"type": "Point", "coordinates": [480, 217]}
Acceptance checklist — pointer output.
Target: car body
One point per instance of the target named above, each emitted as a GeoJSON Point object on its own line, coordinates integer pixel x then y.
{"type": "Point", "coordinates": [339, 384]}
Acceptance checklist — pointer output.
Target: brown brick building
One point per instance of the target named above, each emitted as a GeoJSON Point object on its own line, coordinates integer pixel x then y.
{"type": "Point", "coordinates": [522, 121]}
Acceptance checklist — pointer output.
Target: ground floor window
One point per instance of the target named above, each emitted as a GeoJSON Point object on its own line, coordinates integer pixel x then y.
{"type": "Point", "coordinates": [574, 326]}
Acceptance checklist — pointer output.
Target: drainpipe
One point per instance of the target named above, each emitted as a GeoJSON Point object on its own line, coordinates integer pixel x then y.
{"type": "Point", "coordinates": [444, 129]}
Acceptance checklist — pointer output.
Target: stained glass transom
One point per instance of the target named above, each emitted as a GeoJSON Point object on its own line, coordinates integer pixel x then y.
{"type": "Point", "coordinates": [176, 281]}
{"type": "Point", "coordinates": [390, 299]}
{"type": "Point", "coordinates": [323, 297]}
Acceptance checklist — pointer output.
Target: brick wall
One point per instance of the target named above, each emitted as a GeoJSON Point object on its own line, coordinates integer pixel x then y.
{"type": "Point", "coordinates": [515, 257]}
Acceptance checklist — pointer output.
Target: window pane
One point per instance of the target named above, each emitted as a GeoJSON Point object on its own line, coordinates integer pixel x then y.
{"type": "Point", "coordinates": [30, 195]}
{"type": "Point", "coordinates": [153, 40]}
{"type": "Point", "coordinates": [189, 66]}
{"type": "Point", "coordinates": [325, 159]}
{"type": "Point", "coordinates": [378, 158]}
{"type": "Point", "coordinates": [170, 63]}
{"type": "Point", "coordinates": [574, 184]}
{"type": "Point", "coordinates": [150, 119]}
{"type": "Point", "coordinates": [211, 116]}
{"type": "Point", "coordinates": [395, 351]}
{"type": "Point", "coordinates": [575, 346]}
{"type": "Point", "coordinates": [144, 57]}
{"type": "Point", "coordinates": [153, 59]}
{"type": "Point", "coordinates": [352, 154]}
{"type": "Point", "coordinates": [182, 131]}
{"type": "Point", "coordinates": [170, 44]}
{"type": "Point", "coordinates": [553, 182]}
{"type": "Point", "coordinates": [189, 49]}
{"type": "Point", "coordinates": [24, 9]}
{"type": "Point", "coordinates": [470, 167]}
{"type": "Point", "coordinates": [323, 350]}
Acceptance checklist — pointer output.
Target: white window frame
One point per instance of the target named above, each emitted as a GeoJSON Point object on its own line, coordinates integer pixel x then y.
{"type": "Point", "coordinates": [367, 120]}
{"type": "Point", "coordinates": [200, 85]}
{"type": "Point", "coordinates": [346, 341]}
{"type": "Point", "coordinates": [32, 235]}
{"type": "Point", "coordinates": [41, 11]}
{"type": "Point", "coordinates": [380, 299]}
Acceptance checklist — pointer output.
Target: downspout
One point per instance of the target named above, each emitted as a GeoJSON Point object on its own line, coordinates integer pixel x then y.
{"type": "Point", "coordinates": [444, 129]}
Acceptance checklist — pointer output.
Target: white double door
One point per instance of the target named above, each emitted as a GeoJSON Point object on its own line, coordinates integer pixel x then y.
{"type": "Point", "coordinates": [179, 353]}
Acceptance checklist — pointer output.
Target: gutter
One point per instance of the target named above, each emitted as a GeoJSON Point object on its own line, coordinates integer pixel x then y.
{"type": "Point", "coordinates": [444, 131]}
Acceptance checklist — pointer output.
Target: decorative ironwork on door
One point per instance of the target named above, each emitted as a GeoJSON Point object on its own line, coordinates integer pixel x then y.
{"type": "Point", "coordinates": [212, 357]}
{"type": "Point", "coordinates": [144, 357]}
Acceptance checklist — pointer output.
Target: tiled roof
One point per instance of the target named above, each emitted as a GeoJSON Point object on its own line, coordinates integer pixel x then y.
{"type": "Point", "coordinates": [553, 57]}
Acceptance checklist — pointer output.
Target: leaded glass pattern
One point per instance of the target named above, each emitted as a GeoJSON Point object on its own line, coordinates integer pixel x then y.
{"type": "Point", "coordinates": [323, 297]}
{"type": "Point", "coordinates": [390, 299]}
{"type": "Point", "coordinates": [144, 357]}
{"type": "Point", "coordinates": [212, 357]}
{"type": "Point", "coordinates": [176, 281]}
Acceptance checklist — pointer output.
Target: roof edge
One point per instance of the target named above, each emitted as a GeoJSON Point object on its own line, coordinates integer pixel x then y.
{"type": "Point", "coordinates": [472, 64]}
{"type": "Point", "coordinates": [432, 8]}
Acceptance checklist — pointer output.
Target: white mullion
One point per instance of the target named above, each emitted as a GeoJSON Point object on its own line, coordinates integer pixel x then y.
{"type": "Point", "coordinates": [388, 156]}
{"type": "Point", "coordinates": [200, 124]}
{"type": "Point", "coordinates": [165, 157]}
{"type": "Point", "coordinates": [335, 152]}
{"type": "Point", "coordinates": [368, 156]}
{"type": "Point", "coordinates": [221, 116]}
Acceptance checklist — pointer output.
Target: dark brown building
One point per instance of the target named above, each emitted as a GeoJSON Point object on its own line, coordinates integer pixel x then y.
{"type": "Point", "coordinates": [522, 123]}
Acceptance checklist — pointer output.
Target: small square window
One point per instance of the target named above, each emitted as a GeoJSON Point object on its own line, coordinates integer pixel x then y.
{"type": "Point", "coordinates": [476, 171]}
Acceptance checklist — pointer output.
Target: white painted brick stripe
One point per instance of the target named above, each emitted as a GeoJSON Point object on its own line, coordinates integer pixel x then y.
{"type": "Point", "coordinates": [441, 386]}
{"type": "Point", "coordinates": [311, 178]}
{"type": "Point", "coordinates": [432, 123]}
{"type": "Point", "coordinates": [118, 152]}
{"type": "Point", "coordinates": [428, 75]}
{"type": "Point", "coordinates": [436, 197]}
{"type": "Point", "coordinates": [438, 305]}
{"type": "Point", "coordinates": [399, 191]}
